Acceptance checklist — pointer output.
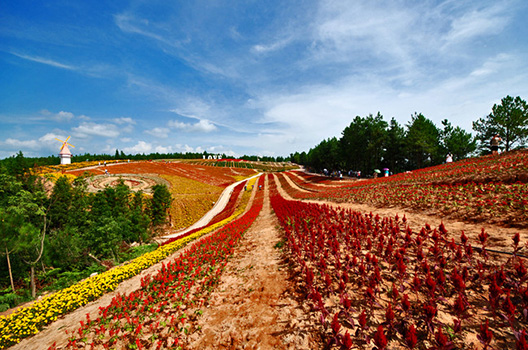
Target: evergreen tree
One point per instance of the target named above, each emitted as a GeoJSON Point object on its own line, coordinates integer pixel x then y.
{"type": "Point", "coordinates": [394, 155]}
{"type": "Point", "coordinates": [362, 143]}
{"type": "Point", "coordinates": [159, 204]}
{"type": "Point", "coordinates": [456, 141]}
{"type": "Point", "coordinates": [422, 142]}
{"type": "Point", "coordinates": [509, 120]}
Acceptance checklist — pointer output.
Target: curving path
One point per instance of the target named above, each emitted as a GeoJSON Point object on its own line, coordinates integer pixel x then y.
{"type": "Point", "coordinates": [215, 210]}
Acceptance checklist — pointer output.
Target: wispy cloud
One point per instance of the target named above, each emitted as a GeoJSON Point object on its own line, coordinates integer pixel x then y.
{"type": "Point", "coordinates": [89, 129]}
{"type": "Point", "coordinates": [45, 61]}
{"type": "Point", "coordinates": [162, 133]}
{"type": "Point", "coordinates": [202, 125]}
{"type": "Point", "coordinates": [478, 22]}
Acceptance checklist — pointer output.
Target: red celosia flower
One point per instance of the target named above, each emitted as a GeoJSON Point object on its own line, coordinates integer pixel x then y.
{"type": "Point", "coordinates": [430, 312]}
{"type": "Point", "coordinates": [363, 319]}
{"type": "Point", "coordinates": [389, 314]}
{"type": "Point", "coordinates": [463, 238]}
{"type": "Point", "coordinates": [516, 238]}
{"type": "Point", "coordinates": [347, 341]}
{"type": "Point", "coordinates": [336, 326]}
{"type": "Point", "coordinates": [460, 305]}
{"type": "Point", "coordinates": [406, 305]}
{"type": "Point", "coordinates": [485, 335]}
{"type": "Point", "coordinates": [410, 337]}
{"type": "Point", "coordinates": [380, 339]}
{"type": "Point", "coordinates": [441, 338]}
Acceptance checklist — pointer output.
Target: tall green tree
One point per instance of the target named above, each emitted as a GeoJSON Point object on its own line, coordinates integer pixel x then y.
{"type": "Point", "coordinates": [362, 142]}
{"type": "Point", "coordinates": [326, 155]}
{"type": "Point", "coordinates": [422, 142]}
{"type": "Point", "coordinates": [457, 141]}
{"type": "Point", "coordinates": [159, 204]}
{"type": "Point", "coordinates": [28, 228]}
{"type": "Point", "coordinates": [9, 222]}
{"type": "Point", "coordinates": [508, 119]}
{"type": "Point", "coordinates": [62, 194]}
{"type": "Point", "coordinates": [394, 154]}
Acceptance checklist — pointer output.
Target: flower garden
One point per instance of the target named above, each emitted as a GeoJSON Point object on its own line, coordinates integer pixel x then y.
{"type": "Point", "coordinates": [159, 315]}
{"type": "Point", "coordinates": [486, 189]}
{"type": "Point", "coordinates": [372, 281]}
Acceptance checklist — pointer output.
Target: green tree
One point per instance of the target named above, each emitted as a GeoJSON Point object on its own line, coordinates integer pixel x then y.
{"type": "Point", "coordinates": [422, 142]}
{"type": "Point", "coordinates": [60, 211]}
{"type": "Point", "coordinates": [25, 223]}
{"type": "Point", "coordinates": [509, 120]}
{"type": "Point", "coordinates": [159, 204]}
{"type": "Point", "coordinates": [362, 143]}
{"type": "Point", "coordinates": [326, 155]}
{"type": "Point", "coordinates": [457, 141]}
{"type": "Point", "coordinates": [139, 220]}
{"type": "Point", "coordinates": [394, 155]}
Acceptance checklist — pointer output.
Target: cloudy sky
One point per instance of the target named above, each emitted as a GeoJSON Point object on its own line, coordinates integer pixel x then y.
{"type": "Point", "coordinates": [246, 77]}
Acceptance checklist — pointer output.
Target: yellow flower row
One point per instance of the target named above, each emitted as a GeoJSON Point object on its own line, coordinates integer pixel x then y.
{"type": "Point", "coordinates": [55, 176]}
{"type": "Point", "coordinates": [29, 320]}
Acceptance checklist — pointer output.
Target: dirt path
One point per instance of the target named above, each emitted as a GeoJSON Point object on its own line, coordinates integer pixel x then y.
{"type": "Point", "coordinates": [217, 208]}
{"type": "Point", "coordinates": [255, 306]}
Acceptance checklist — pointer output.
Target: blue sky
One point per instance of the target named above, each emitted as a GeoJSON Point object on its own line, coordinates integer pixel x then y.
{"type": "Point", "coordinates": [246, 77]}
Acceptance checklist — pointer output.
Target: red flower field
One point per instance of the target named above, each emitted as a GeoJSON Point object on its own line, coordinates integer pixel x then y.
{"type": "Point", "coordinates": [421, 260]}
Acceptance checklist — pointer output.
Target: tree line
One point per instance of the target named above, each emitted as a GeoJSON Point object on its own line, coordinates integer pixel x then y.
{"type": "Point", "coordinates": [120, 155]}
{"type": "Point", "coordinates": [48, 232]}
{"type": "Point", "coordinates": [370, 142]}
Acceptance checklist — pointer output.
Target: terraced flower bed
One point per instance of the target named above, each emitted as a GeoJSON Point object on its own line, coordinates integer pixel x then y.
{"type": "Point", "coordinates": [159, 315]}
{"type": "Point", "coordinates": [462, 190]}
{"type": "Point", "coordinates": [374, 281]}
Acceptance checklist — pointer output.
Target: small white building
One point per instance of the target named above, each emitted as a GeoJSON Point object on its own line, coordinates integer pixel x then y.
{"type": "Point", "coordinates": [65, 154]}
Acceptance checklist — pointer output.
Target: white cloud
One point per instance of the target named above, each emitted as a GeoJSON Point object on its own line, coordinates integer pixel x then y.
{"type": "Point", "coordinates": [64, 116]}
{"type": "Point", "coordinates": [478, 22]}
{"type": "Point", "coordinates": [61, 116]}
{"type": "Point", "coordinates": [87, 129]}
{"type": "Point", "coordinates": [124, 120]}
{"type": "Point", "coordinates": [14, 143]}
{"type": "Point", "coordinates": [159, 132]}
{"type": "Point", "coordinates": [277, 45]}
{"type": "Point", "coordinates": [201, 126]}
{"type": "Point", "coordinates": [44, 61]}
{"type": "Point", "coordinates": [140, 147]}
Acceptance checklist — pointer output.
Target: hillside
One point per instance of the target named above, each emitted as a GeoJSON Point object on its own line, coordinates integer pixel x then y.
{"type": "Point", "coordinates": [320, 263]}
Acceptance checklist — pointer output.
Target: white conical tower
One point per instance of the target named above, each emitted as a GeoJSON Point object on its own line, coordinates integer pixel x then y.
{"type": "Point", "coordinates": [65, 154]}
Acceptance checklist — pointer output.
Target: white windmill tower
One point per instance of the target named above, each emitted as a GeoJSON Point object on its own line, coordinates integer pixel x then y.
{"type": "Point", "coordinates": [65, 154]}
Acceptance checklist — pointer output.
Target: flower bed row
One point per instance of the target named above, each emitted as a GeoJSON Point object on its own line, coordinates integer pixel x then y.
{"type": "Point", "coordinates": [495, 202]}
{"type": "Point", "coordinates": [228, 211]}
{"type": "Point", "coordinates": [375, 282]}
{"type": "Point", "coordinates": [159, 315]}
{"type": "Point", "coordinates": [29, 320]}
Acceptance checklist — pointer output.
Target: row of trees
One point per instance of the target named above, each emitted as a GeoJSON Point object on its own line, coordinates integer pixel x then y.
{"type": "Point", "coordinates": [68, 228]}
{"type": "Point", "coordinates": [120, 155]}
{"type": "Point", "coordinates": [370, 142]}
